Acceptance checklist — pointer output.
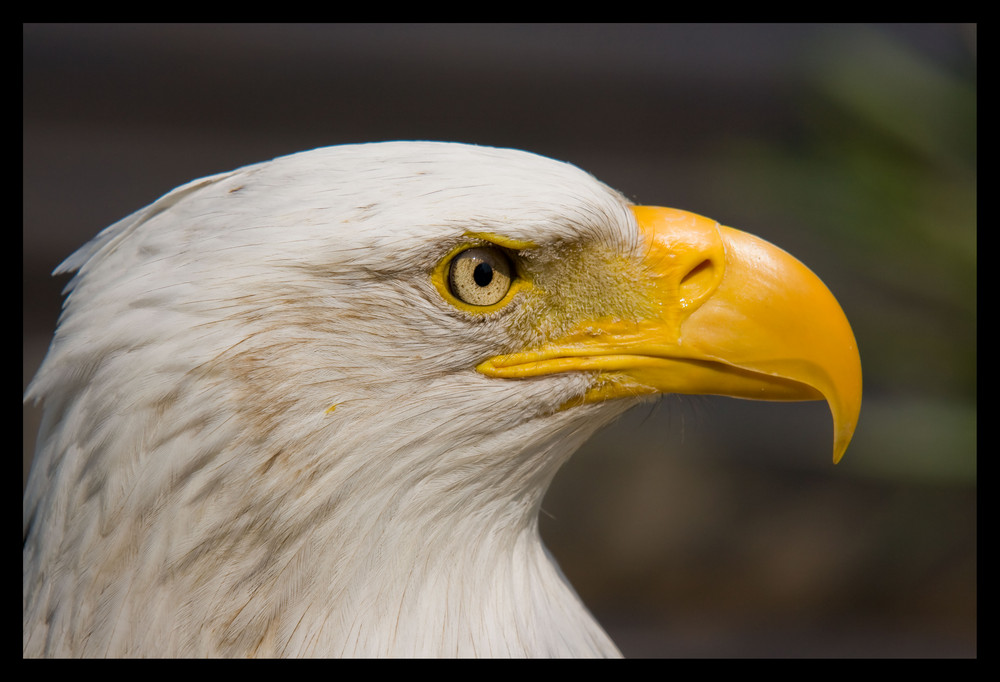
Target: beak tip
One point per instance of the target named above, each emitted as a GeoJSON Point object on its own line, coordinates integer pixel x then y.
{"type": "Point", "coordinates": [844, 432]}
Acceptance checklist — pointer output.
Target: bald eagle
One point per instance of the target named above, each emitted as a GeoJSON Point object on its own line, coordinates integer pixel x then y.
{"type": "Point", "coordinates": [310, 407]}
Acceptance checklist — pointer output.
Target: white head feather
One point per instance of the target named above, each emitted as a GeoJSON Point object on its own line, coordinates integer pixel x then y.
{"type": "Point", "coordinates": [263, 433]}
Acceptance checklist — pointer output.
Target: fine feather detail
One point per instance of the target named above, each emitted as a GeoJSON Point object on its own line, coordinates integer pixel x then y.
{"type": "Point", "coordinates": [194, 494]}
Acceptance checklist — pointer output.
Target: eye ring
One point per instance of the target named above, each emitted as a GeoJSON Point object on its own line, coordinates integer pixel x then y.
{"type": "Point", "coordinates": [480, 276]}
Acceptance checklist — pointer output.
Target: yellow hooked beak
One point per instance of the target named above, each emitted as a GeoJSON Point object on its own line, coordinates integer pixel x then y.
{"type": "Point", "coordinates": [736, 316]}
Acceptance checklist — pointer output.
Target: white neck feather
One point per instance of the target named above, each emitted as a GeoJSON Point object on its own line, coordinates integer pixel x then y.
{"type": "Point", "coordinates": [419, 542]}
{"type": "Point", "coordinates": [263, 430]}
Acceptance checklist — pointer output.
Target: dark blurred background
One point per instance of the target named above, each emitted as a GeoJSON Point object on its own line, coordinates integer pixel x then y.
{"type": "Point", "coordinates": [698, 526]}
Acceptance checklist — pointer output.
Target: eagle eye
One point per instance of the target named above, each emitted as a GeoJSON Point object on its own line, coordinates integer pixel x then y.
{"type": "Point", "coordinates": [480, 276]}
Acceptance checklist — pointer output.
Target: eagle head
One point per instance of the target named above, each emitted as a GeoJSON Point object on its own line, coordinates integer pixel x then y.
{"type": "Point", "coordinates": [311, 406]}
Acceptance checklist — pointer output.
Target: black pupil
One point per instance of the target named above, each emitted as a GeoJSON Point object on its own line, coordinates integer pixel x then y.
{"type": "Point", "coordinates": [483, 274]}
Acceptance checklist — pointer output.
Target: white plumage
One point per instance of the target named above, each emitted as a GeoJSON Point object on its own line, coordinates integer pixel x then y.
{"type": "Point", "coordinates": [264, 430]}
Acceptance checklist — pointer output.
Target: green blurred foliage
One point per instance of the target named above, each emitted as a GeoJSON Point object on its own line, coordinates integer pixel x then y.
{"type": "Point", "coordinates": [882, 176]}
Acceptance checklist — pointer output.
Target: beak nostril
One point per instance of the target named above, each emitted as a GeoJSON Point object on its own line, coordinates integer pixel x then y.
{"type": "Point", "coordinates": [696, 271]}
{"type": "Point", "coordinates": [699, 281]}
{"type": "Point", "coordinates": [690, 254]}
